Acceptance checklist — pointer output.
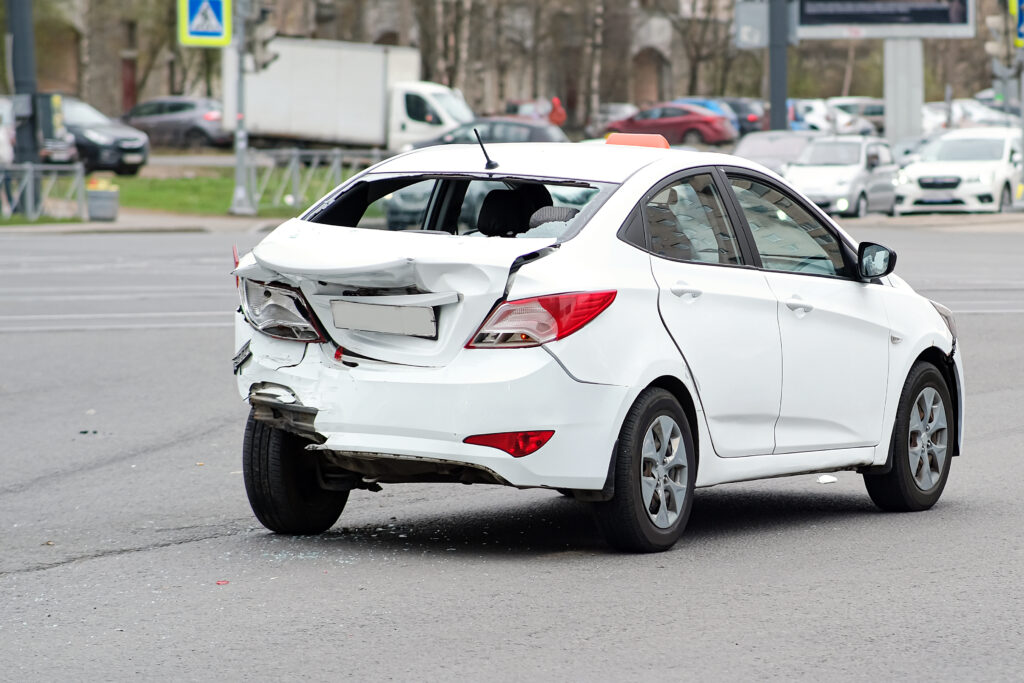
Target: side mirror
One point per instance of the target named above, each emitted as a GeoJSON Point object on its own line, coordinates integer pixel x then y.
{"type": "Point", "coordinates": [874, 260]}
{"type": "Point", "coordinates": [1014, 157]}
{"type": "Point", "coordinates": [872, 161]}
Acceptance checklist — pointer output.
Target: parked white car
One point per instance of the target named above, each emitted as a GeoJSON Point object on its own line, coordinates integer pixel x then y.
{"type": "Point", "coordinates": [847, 175]}
{"type": "Point", "coordinates": [969, 169]}
{"type": "Point", "coordinates": [625, 324]}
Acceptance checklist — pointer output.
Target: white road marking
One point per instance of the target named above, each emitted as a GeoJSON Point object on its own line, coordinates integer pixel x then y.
{"type": "Point", "coordinates": [115, 328]}
{"type": "Point", "coordinates": [94, 316]}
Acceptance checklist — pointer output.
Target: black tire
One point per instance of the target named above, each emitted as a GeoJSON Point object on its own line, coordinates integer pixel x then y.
{"type": "Point", "coordinates": [860, 209]}
{"type": "Point", "coordinates": [897, 490]}
{"type": "Point", "coordinates": [282, 484]}
{"type": "Point", "coordinates": [195, 138]}
{"type": "Point", "coordinates": [624, 519]}
{"type": "Point", "coordinates": [692, 137]}
{"type": "Point", "coordinates": [1005, 200]}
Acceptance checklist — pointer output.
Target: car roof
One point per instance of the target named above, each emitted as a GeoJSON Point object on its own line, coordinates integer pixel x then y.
{"type": "Point", "coordinates": [984, 132]}
{"type": "Point", "coordinates": [597, 162]}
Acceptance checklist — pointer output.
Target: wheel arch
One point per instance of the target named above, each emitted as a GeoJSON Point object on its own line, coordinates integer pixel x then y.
{"type": "Point", "coordinates": [946, 366]}
{"type": "Point", "coordinates": [681, 393]}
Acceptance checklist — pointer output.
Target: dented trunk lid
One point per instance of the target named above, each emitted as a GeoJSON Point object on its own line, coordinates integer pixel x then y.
{"type": "Point", "coordinates": [409, 297]}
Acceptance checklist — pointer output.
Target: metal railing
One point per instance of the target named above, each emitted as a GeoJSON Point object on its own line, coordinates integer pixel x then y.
{"type": "Point", "coordinates": [36, 190]}
{"type": "Point", "coordinates": [294, 177]}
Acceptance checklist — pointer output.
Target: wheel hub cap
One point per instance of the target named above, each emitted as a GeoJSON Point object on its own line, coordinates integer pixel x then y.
{"type": "Point", "coordinates": [663, 473]}
{"type": "Point", "coordinates": [927, 439]}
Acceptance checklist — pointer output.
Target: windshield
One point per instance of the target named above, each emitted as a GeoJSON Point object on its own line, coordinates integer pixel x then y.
{"type": "Point", "coordinates": [964, 149]}
{"type": "Point", "coordinates": [78, 113]}
{"type": "Point", "coordinates": [820, 153]}
{"type": "Point", "coordinates": [454, 105]}
{"type": "Point", "coordinates": [486, 207]}
{"type": "Point", "coordinates": [782, 147]}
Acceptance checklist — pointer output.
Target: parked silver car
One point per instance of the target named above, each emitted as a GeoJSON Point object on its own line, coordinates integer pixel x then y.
{"type": "Point", "coordinates": [180, 121]}
{"type": "Point", "coordinates": [848, 175]}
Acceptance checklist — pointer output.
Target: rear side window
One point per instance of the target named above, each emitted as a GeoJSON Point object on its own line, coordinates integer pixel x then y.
{"type": "Point", "coordinates": [461, 205]}
{"type": "Point", "coordinates": [788, 238]}
{"type": "Point", "coordinates": [686, 221]}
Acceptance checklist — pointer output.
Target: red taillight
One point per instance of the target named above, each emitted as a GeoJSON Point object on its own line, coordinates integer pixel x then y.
{"type": "Point", "coordinates": [212, 115]}
{"type": "Point", "coordinates": [752, 117]}
{"type": "Point", "coordinates": [538, 320]}
{"type": "Point", "coordinates": [516, 444]}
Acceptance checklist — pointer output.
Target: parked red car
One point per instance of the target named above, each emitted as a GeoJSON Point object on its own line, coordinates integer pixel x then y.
{"type": "Point", "coordinates": [680, 124]}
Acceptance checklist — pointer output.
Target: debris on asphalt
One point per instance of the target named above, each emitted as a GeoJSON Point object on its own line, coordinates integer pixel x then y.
{"type": "Point", "coordinates": [222, 582]}
{"type": "Point", "coordinates": [827, 479]}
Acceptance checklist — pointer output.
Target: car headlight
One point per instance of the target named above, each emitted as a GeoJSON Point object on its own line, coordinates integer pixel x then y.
{"type": "Point", "coordinates": [96, 137]}
{"type": "Point", "coordinates": [947, 317]}
{"type": "Point", "coordinates": [903, 178]}
{"type": "Point", "coordinates": [278, 311]}
{"type": "Point", "coordinates": [842, 182]}
{"type": "Point", "coordinates": [985, 178]}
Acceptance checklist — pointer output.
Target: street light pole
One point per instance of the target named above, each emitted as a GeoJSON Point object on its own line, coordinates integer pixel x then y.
{"type": "Point", "coordinates": [23, 56]}
{"type": "Point", "coordinates": [241, 200]}
{"type": "Point", "coordinates": [778, 39]}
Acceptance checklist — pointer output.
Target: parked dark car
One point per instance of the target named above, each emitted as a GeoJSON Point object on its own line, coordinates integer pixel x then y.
{"type": "Point", "coordinates": [749, 111]}
{"type": "Point", "coordinates": [57, 144]}
{"type": "Point", "coordinates": [685, 124]}
{"type": "Point", "coordinates": [103, 143]}
{"type": "Point", "coordinates": [180, 122]}
{"type": "Point", "coordinates": [500, 129]}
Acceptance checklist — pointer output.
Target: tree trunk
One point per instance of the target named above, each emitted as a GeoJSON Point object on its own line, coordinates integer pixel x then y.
{"type": "Point", "coordinates": [597, 54]}
{"type": "Point", "coordinates": [462, 38]}
{"type": "Point", "coordinates": [851, 56]}
{"type": "Point", "coordinates": [441, 68]}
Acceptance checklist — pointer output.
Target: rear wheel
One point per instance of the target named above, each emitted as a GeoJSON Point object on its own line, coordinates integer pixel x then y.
{"type": "Point", "coordinates": [923, 439]}
{"type": "Point", "coordinates": [654, 472]}
{"type": "Point", "coordinates": [196, 138]}
{"type": "Point", "coordinates": [693, 137]}
{"type": "Point", "coordinates": [282, 483]}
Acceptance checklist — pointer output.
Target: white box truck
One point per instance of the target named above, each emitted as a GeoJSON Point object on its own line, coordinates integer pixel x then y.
{"type": "Point", "coordinates": [349, 94]}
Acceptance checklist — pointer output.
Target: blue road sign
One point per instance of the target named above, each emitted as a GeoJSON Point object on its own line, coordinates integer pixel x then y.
{"type": "Point", "coordinates": [204, 23]}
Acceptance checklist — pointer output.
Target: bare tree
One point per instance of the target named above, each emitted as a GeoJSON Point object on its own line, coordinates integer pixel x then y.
{"type": "Point", "coordinates": [702, 26]}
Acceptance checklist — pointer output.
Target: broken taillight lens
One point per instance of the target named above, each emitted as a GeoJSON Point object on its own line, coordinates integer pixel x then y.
{"type": "Point", "coordinates": [278, 311]}
{"type": "Point", "coordinates": [538, 320]}
{"type": "Point", "coordinates": [516, 444]}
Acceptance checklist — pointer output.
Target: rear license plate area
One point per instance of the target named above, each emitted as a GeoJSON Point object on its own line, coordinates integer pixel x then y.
{"type": "Point", "coordinates": [410, 321]}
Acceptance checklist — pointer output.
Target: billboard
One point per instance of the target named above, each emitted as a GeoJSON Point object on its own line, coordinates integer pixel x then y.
{"type": "Point", "coordinates": [831, 19]}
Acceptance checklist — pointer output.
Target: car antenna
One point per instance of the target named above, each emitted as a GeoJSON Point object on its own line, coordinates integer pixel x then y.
{"type": "Point", "coordinates": [491, 164]}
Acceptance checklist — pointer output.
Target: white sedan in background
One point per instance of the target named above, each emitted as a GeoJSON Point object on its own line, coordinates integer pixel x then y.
{"type": "Point", "coordinates": [970, 170]}
{"type": "Point", "coordinates": [623, 323]}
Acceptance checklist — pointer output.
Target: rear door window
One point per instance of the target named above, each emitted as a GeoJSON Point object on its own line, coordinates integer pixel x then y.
{"type": "Point", "coordinates": [686, 221]}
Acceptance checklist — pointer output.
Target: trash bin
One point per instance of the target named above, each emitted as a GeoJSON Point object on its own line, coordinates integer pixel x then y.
{"type": "Point", "coordinates": [102, 204]}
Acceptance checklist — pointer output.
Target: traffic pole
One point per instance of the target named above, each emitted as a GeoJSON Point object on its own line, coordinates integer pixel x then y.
{"type": "Point", "coordinates": [778, 39]}
{"type": "Point", "coordinates": [241, 200]}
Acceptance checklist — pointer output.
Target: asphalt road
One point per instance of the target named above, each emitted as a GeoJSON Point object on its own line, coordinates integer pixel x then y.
{"type": "Point", "coordinates": [122, 509]}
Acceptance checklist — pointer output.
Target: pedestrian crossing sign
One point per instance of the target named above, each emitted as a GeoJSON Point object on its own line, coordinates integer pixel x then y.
{"type": "Point", "coordinates": [204, 23]}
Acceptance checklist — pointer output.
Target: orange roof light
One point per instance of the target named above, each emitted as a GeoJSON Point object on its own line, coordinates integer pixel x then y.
{"type": "Point", "coordinates": [637, 140]}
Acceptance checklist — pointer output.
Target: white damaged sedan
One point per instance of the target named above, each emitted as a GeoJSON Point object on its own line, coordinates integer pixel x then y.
{"type": "Point", "coordinates": [619, 322]}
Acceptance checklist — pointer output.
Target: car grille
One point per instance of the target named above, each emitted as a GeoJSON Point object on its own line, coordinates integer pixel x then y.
{"type": "Point", "coordinates": [939, 183]}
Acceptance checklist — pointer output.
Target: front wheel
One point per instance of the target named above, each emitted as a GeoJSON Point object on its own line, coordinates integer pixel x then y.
{"type": "Point", "coordinates": [654, 472]}
{"type": "Point", "coordinates": [1005, 199]}
{"type": "Point", "coordinates": [860, 210]}
{"type": "Point", "coordinates": [923, 440]}
{"type": "Point", "coordinates": [282, 483]}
